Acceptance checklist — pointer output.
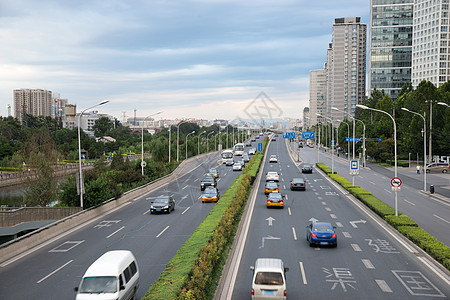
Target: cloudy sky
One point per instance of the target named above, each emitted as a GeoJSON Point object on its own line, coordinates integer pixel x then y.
{"type": "Point", "coordinates": [193, 58]}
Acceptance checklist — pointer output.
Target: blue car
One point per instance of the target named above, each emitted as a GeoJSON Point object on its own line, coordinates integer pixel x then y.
{"type": "Point", "coordinates": [319, 233]}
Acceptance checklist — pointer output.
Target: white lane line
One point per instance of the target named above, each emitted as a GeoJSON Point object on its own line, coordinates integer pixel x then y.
{"type": "Point", "coordinates": [115, 232]}
{"type": "Point", "coordinates": [295, 234]}
{"type": "Point", "coordinates": [302, 270]}
{"type": "Point", "coordinates": [372, 182]}
{"type": "Point", "coordinates": [184, 197]}
{"type": "Point", "coordinates": [347, 234]}
{"type": "Point", "coordinates": [324, 203]}
{"type": "Point", "coordinates": [388, 191]}
{"type": "Point", "coordinates": [356, 247]}
{"type": "Point", "coordinates": [167, 227]}
{"type": "Point", "coordinates": [282, 179]}
{"type": "Point", "coordinates": [196, 179]}
{"type": "Point", "coordinates": [339, 224]}
{"type": "Point", "coordinates": [284, 186]}
{"type": "Point", "coordinates": [383, 286]}
{"type": "Point", "coordinates": [320, 198]}
{"type": "Point", "coordinates": [314, 190]}
{"type": "Point", "coordinates": [441, 219]}
{"type": "Point", "coordinates": [146, 212]}
{"type": "Point", "coordinates": [225, 174]}
{"type": "Point", "coordinates": [218, 179]}
{"type": "Point", "coordinates": [333, 216]}
{"type": "Point", "coordinates": [185, 187]}
{"type": "Point", "coordinates": [317, 194]}
{"type": "Point", "coordinates": [287, 197]}
{"type": "Point", "coordinates": [367, 263]}
{"type": "Point", "coordinates": [289, 211]}
{"type": "Point", "coordinates": [55, 271]}
{"type": "Point", "coordinates": [185, 210]}
{"type": "Point", "coordinates": [409, 202]}
{"type": "Point", "coordinates": [327, 209]}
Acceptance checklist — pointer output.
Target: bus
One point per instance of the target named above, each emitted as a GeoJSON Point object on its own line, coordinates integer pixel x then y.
{"type": "Point", "coordinates": [239, 149]}
{"type": "Point", "coordinates": [226, 154]}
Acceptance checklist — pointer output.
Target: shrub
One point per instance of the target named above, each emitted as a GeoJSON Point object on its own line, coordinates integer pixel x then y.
{"type": "Point", "coordinates": [378, 206]}
{"type": "Point", "coordinates": [324, 168]}
{"type": "Point", "coordinates": [400, 221]}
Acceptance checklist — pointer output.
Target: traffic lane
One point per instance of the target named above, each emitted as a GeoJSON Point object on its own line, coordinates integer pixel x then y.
{"type": "Point", "coordinates": [345, 273]}
{"type": "Point", "coordinates": [111, 227]}
{"type": "Point", "coordinates": [431, 214]}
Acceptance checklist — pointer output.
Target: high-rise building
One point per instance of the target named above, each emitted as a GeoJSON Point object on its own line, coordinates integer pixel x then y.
{"type": "Point", "coordinates": [390, 45]}
{"type": "Point", "coordinates": [430, 47]}
{"type": "Point", "coordinates": [306, 119]}
{"type": "Point", "coordinates": [35, 102]}
{"type": "Point", "coordinates": [317, 95]}
{"type": "Point", "coordinates": [346, 66]}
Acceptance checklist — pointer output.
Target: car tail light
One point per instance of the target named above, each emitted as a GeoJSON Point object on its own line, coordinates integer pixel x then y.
{"type": "Point", "coordinates": [285, 293]}
{"type": "Point", "coordinates": [333, 236]}
{"type": "Point", "coordinates": [268, 200]}
{"type": "Point", "coordinates": [313, 234]}
{"type": "Point", "coordinates": [253, 292]}
{"type": "Point", "coordinates": [282, 201]}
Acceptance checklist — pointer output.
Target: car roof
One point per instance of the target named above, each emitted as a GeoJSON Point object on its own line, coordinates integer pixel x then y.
{"type": "Point", "coordinates": [269, 264]}
{"type": "Point", "coordinates": [110, 263]}
{"type": "Point", "coordinates": [322, 224]}
{"type": "Point", "coordinates": [298, 180]}
{"type": "Point", "coordinates": [271, 172]}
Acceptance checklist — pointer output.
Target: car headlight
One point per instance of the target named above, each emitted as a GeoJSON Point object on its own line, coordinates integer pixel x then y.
{"type": "Point", "coordinates": [165, 207]}
{"type": "Point", "coordinates": [152, 207]}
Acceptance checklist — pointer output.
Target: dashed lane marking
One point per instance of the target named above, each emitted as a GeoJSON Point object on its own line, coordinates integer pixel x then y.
{"type": "Point", "coordinates": [346, 234]}
{"type": "Point", "coordinates": [383, 286]}
{"type": "Point", "coordinates": [356, 247]}
{"type": "Point", "coordinates": [367, 263]}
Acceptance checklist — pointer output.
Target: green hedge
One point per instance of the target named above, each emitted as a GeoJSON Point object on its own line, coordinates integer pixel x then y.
{"type": "Point", "coordinates": [191, 272]}
{"type": "Point", "coordinates": [324, 168]}
{"type": "Point", "coordinates": [400, 221]}
{"type": "Point", "coordinates": [378, 206]}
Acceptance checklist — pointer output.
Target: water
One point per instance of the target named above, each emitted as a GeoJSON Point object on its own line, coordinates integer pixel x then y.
{"type": "Point", "coordinates": [11, 195]}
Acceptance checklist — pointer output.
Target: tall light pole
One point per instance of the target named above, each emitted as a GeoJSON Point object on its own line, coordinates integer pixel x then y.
{"type": "Point", "coordinates": [187, 142]}
{"type": "Point", "coordinates": [227, 135]}
{"type": "Point", "coordinates": [424, 146]}
{"type": "Point", "coordinates": [170, 127]}
{"type": "Point", "coordinates": [142, 141]}
{"type": "Point", "coordinates": [215, 140]}
{"type": "Point", "coordinates": [79, 150]}
{"type": "Point", "coordinates": [395, 148]}
{"type": "Point", "coordinates": [178, 136]}
{"type": "Point", "coordinates": [332, 138]}
{"type": "Point", "coordinates": [207, 140]}
{"type": "Point", "coordinates": [199, 141]}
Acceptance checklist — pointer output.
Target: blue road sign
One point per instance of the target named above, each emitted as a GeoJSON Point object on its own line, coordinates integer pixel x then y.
{"type": "Point", "coordinates": [289, 135]}
{"type": "Point", "coordinates": [308, 135]}
{"type": "Point", "coordinates": [379, 139]}
{"type": "Point", "coordinates": [354, 164]}
{"type": "Point", "coordinates": [332, 142]}
{"type": "Point", "coordinates": [351, 140]}
{"type": "Point", "coordinates": [259, 146]}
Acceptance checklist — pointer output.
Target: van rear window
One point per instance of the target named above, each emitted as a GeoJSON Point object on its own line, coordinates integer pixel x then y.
{"type": "Point", "coordinates": [99, 285]}
{"type": "Point", "coordinates": [269, 278]}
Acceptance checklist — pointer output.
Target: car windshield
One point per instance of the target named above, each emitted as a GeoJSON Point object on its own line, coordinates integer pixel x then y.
{"type": "Point", "coordinates": [297, 180]}
{"type": "Point", "coordinates": [212, 171]}
{"type": "Point", "coordinates": [97, 285]}
{"type": "Point", "coordinates": [210, 190]}
{"type": "Point", "coordinates": [208, 179]}
{"type": "Point", "coordinates": [273, 156]}
{"type": "Point", "coordinates": [326, 228]}
{"type": "Point", "coordinates": [161, 200]}
{"type": "Point", "coordinates": [275, 196]}
{"type": "Point", "coordinates": [272, 185]}
{"type": "Point", "coordinates": [269, 278]}
{"type": "Point", "coordinates": [272, 173]}
{"type": "Point", "coordinates": [307, 166]}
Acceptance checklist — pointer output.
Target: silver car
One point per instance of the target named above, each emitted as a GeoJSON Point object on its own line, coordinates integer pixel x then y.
{"type": "Point", "coordinates": [438, 168]}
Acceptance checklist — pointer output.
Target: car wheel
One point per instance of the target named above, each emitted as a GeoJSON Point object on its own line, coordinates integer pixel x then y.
{"type": "Point", "coordinates": [444, 171]}
{"type": "Point", "coordinates": [428, 171]}
{"type": "Point", "coordinates": [311, 244]}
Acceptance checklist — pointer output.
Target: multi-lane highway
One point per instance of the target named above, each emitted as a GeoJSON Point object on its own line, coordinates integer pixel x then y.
{"type": "Point", "coordinates": [370, 262]}
{"type": "Point", "coordinates": [53, 271]}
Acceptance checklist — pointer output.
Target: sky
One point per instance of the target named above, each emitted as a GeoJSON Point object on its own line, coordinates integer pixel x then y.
{"type": "Point", "coordinates": [210, 59]}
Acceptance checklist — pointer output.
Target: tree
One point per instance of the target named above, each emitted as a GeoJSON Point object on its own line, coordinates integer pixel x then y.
{"type": "Point", "coordinates": [102, 126]}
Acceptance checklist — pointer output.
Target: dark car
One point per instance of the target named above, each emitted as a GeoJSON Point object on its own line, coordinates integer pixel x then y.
{"type": "Point", "coordinates": [298, 184]}
{"type": "Point", "coordinates": [320, 233]}
{"type": "Point", "coordinates": [274, 139]}
{"type": "Point", "coordinates": [210, 194]}
{"type": "Point", "coordinates": [306, 168]}
{"type": "Point", "coordinates": [208, 181]}
{"type": "Point", "coordinates": [162, 204]}
{"type": "Point", "coordinates": [248, 144]}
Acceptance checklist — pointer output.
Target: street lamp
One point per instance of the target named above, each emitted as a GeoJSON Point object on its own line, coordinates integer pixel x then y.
{"type": "Point", "coordinates": [178, 136]}
{"type": "Point", "coordinates": [79, 150]}
{"type": "Point", "coordinates": [187, 142]}
{"type": "Point", "coordinates": [199, 141]}
{"type": "Point", "coordinates": [207, 140]}
{"type": "Point", "coordinates": [395, 147]}
{"type": "Point", "coordinates": [332, 138]}
{"type": "Point", "coordinates": [424, 146]}
{"type": "Point", "coordinates": [142, 141]}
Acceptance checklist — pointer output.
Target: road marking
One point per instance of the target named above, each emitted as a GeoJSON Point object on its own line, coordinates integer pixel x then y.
{"type": "Point", "coordinates": [388, 191]}
{"type": "Point", "coordinates": [347, 234]}
{"type": "Point", "coordinates": [314, 190]}
{"type": "Point", "coordinates": [417, 284]}
{"type": "Point", "coordinates": [185, 187]}
{"type": "Point", "coordinates": [185, 210]}
{"type": "Point", "coordinates": [367, 263]}
{"type": "Point", "coordinates": [284, 186]}
{"type": "Point", "coordinates": [218, 179]}
{"type": "Point", "coordinates": [409, 202]}
{"type": "Point", "coordinates": [281, 174]}
{"type": "Point", "coordinates": [372, 182]}
{"type": "Point", "coordinates": [327, 209]}
{"type": "Point", "coordinates": [289, 211]}
{"type": "Point", "coordinates": [441, 219]}
{"type": "Point", "coordinates": [356, 247]}
{"type": "Point", "coordinates": [184, 197]}
{"type": "Point", "coordinates": [66, 246]}
{"type": "Point", "coordinates": [287, 197]}
{"type": "Point", "coordinates": [324, 203]}
{"type": "Point", "coordinates": [146, 212]}
{"type": "Point", "coordinates": [326, 187]}
{"type": "Point", "coordinates": [333, 216]}
{"type": "Point", "coordinates": [383, 286]}
{"type": "Point", "coordinates": [196, 179]}
{"type": "Point", "coordinates": [282, 179]}
{"type": "Point", "coordinates": [55, 271]}
{"type": "Point", "coordinates": [115, 232]}
{"type": "Point", "coordinates": [320, 198]}
{"type": "Point", "coordinates": [302, 270]}
{"type": "Point", "coordinates": [317, 194]}
{"type": "Point", "coordinates": [167, 227]}
{"type": "Point", "coordinates": [339, 224]}
{"type": "Point", "coordinates": [294, 233]}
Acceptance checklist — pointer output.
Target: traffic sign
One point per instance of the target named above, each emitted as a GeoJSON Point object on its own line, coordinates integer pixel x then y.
{"type": "Point", "coordinates": [143, 163]}
{"type": "Point", "coordinates": [354, 167]}
{"type": "Point", "coordinates": [379, 139]}
{"type": "Point", "coordinates": [396, 182]}
{"type": "Point", "coordinates": [332, 142]}
{"type": "Point", "coordinates": [289, 135]}
{"type": "Point", "coordinates": [351, 140]}
{"type": "Point", "coordinates": [259, 146]}
{"type": "Point", "coordinates": [308, 135]}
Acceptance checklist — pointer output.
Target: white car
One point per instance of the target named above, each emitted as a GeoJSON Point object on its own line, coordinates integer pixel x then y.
{"type": "Point", "coordinates": [272, 176]}
{"type": "Point", "coordinates": [252, 151]}
{"type": "Point", "coordinates": [229, 162]}
{"type": "Point", "coordinates": [237, 166]}
{"type": "Point", "coordinates": [273, 159]}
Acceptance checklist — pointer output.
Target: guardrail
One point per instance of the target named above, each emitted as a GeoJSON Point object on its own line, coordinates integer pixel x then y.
{"type": "Point", "coordinates": [14, 216]}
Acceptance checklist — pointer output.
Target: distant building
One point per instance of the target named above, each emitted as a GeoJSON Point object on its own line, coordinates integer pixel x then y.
{"type": "Point", "coordinates": [317, 95]}
{"type": "Point", "coordinates": [430, 46]}
{"type": "Point", "coordinates": [306, 119]}
{"type": "Point", "coordinates": [390, 45]}
{"type": "Point", "coordinates": [35, 102]}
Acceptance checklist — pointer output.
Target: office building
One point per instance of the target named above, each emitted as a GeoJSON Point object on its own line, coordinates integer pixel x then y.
{"type": "Point", "coordinates": [390, 45]}
{"type": "Point", "coordinates": [430, 51]}
{"type": "Point", "coordinates": [306, 119]}
{"type": "Point", "coordinates": [35, 102]}
{"type": "Point", "coordinates": [317, 95]}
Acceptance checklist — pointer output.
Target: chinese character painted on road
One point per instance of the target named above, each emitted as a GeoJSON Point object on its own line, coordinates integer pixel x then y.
{"type": "Point", "coordinates": [340, 276]}
{"type": "Point", "coordinates": [381, 246]}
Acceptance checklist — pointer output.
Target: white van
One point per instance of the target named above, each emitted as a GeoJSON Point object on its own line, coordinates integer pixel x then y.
{"type": "Point", "coordinates": [114, 275]}
{"type": "Point", "coordinates": [269, 279]}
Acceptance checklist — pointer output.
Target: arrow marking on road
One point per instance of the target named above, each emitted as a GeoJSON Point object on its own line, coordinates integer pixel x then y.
{"type": "Point", "coordinates": [313, 220]}
{"type": "Point", "coordinates": [268, 238]}
{"type": "Point", "coordinates": [270, 220]}
{"type": "Point", "coordinates": [353, 223]}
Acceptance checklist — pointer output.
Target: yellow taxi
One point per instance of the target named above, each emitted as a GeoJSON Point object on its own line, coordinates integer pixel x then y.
{"type": "Point", "coordinates": [275, 200]}
{"type": "Point", "coordinates": [210, 194]}
{"type": "Point", "coordinates": [271, 186]}
{"type": "Point", "coordinates": [213, 172]}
